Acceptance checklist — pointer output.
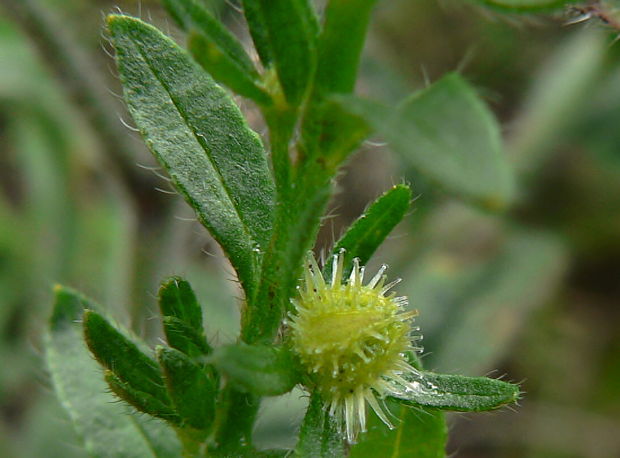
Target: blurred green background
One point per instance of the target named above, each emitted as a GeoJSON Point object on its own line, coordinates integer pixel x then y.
{"type": "Point", "coordinates": [531, 294]}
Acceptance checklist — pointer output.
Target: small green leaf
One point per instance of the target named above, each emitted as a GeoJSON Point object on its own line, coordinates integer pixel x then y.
{"type": "Point", "coordinates": [457, 392]}
{"type": "Point", "coordinates": [319, 436]}
{"type": "Point", "coordinates": [339, 53]}
{"type": "Point", "coordinates": [192, 15]}
{"type": "Point", "coordinates": [284, 32]}
{"type": "Point", "coordinates": [262, 370]}
{"type": "Point", "coordinates": [447, 133]}
{"type": "Point", "coordinates": [182, 320]}
{"type": "Point", "coordinates": [217, 50]}
{"type": "Point", "coordinates": [102, 423]}
{"type": "Point", "coordinates": [370, 230]}
{"type": "Point", "coordinates": [224, 70]}
{"type": "Point", "coordinates": [140, 400]}
{"type": "Point", "coordinates": [419, 433]}
{"type": "Point", "coordinates": [185, 338]}
{"type": "Point", "coordinates": [200, 137]}
{"type": "Point", "coordinates": [191, 388]}
{"type": "Point", "coordinates": [120, 355]}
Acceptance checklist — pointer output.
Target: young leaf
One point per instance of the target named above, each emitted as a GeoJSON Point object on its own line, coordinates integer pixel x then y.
{"type": "Point", "coordinates": [370, 230]}
{"type": "Point", "coordinates": [456, 392]}
{"type": "Point", "coordinates": [447, 133]}
{"type": "Point", "coordinates": [120, 355]}
{"type": "Point", "coordinates": [217, 50]}
{"type": "Point", "coordinates": [319, 435]}
{"type": "Point", "coordinates": [182, 317]}
{"type": "Point", "coordinates": [200, 137]}
{"type": "Point", "coordinates": [339, 53]}
{"type": "Point", "coordinates": [142, 401]}
{"type": "Point", "coordinates": [284, 32]}
{"type": "Point", "coordinates": [262, 370]}
{"type": "Point", "coordinates": [192, 15]}
{"type": "Point", "coordinates": [224, 70]}
{"type": "Point", "coordinates": [252, 10]}
{"type": "Point", "coordinates": [191, 389]}
{"type": "Point", "coordinates": [185, 338]}
{"type": "Point", "coordinates": [419, 433]}
{"type": "Point", "coordinates": [100, 420]}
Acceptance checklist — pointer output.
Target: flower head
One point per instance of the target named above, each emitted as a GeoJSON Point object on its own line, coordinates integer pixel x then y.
{"type": "Point", "coordinates": [352, 340]}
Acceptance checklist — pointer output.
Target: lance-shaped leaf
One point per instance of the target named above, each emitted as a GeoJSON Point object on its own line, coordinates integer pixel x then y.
{"type": "Point", "coordinates": [191, 389]}
{"type": "Point", "coordinates": [319, 435]}
{"type": "Point", "coordinates": [182, 317]}
{"type": "Point", "coordinates": [200, 137]}
{"type": "Point", "coordinates": [262, 370]}
{"type": "Point", "coordinates": [457, 392]}
{"type": "Point", "coordinates": [216, 49]}
{"type": "Point", "coordinates": [225, 70]}
{"type": "Point", "coordinates": [339, 51]}
{"type": "Point", "coordinates": [370, 230]}
{"type": "Point", "coordinates": [419, 433]}
{"type": "Point", "coordinates": [143, 402]}
{"type": "Point", "coordinates": [102, 423]}
{"type": "Point", "coordinates": [284, 32]}
{"type": "Point", "coordinates": [448, 134]}
{"type": "Point", "coordinates": [120, 355]}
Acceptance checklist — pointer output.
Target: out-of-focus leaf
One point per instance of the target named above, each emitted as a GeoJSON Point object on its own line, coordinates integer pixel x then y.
{"type": "Point", "coordinates": [419, 433]}
{"type": "Point", "coordinates": [182, 317]}
{"type": "Point", "coordinates": [319, 435]}
{"type": "Point", "coordinates": [370, 230]}
{"type": "Point", "coordinates": [456, 392]}
{"type": "Point", "coordinates": [527, 6]}
{"type": "Point", "coordinates": [523, 276]}
{"type": "Point", "coordinates": [104, 425]}
{"type": "Point", "coordinates": [200, 137]}
{"type": "Point", "coordinates": [559, 94]}
{"type": "Point", "coordinates": [447, 133]}
{"type": "Point", "coordinates": [476, 285]}
{"type": "Point", "coordinates": [263, 370]}
{"type": "Point", "coordinates": [191, 388]}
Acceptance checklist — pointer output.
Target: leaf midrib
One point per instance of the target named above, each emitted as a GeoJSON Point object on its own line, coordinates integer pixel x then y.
{"type": "Point", "coordinates": [200, 142]}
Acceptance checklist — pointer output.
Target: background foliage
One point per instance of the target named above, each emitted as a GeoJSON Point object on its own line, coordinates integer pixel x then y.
{"type": "Point", "coordinates": [534, 294]}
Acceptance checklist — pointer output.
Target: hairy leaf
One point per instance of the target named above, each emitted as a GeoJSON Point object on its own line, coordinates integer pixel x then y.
{"type": "Point", "coordinates": [103, 424]}
{"type": "Point", "coordinates": [141, 401]}
{"type": "Point", "coordinates": [191, 388]}
{"type": "Point", "coordinates": [120, 355]}
{"type": "Point", "coordinates": [182, 317]}
{"type": "Point", "coordinates": [200, 137]}
{"type": "Point", "coordinates": [370, 230]}
{"type": "Point", "coordinates": [457, 392]}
